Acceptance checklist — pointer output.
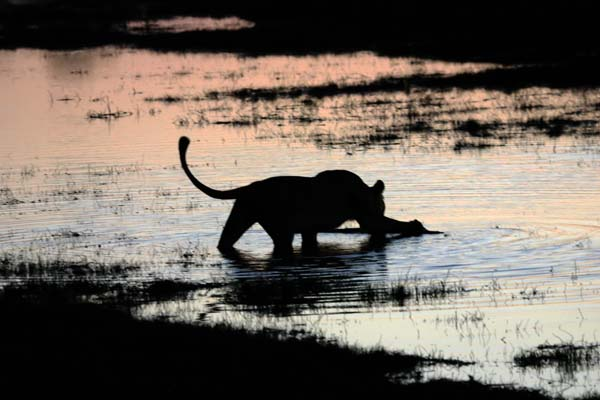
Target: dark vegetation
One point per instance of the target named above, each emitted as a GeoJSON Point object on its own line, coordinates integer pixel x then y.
{"type": "Point", "coordinates": [471, 134]}
{"type": "Point", "coordinates": [58, 344]}
{"type": "Point", "coordinates": [463, 144]}
{"type": "Point", "coordinates": [573, 74]}
{"type": "Point", "coordinates": [509, 31]}
{"type": "Point", "coordinates": [566, 357]}
{"type": "Point", "coordinates": [169, 99]}
{"type": "Point", "coordinates": [402, 291]}
{"type": "Point", "coordinates": [555, 127]}
{"type": "Point", "coordinates": [108, 115]}
{"type": "Point", "coordinates": [17, 266]}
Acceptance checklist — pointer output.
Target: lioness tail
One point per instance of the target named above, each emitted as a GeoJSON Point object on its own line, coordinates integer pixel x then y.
{"type": "Point", "coordinates": [184, 142]}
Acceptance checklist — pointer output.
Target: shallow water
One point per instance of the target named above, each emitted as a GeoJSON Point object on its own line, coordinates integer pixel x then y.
{"type": "Point", "coordinates": [519, 259]}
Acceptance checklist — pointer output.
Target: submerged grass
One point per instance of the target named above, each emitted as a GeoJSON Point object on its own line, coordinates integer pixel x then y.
{"type": "Point", "coordinates": [403, 291]}
{"type": "Point", "coordinates": [566, 357]}
{"type": "Point", "coordinates": [165, 99]}
{"type": "Point", "coordinates": [114, 292]}
{"type": "Point", "coordinates": [509, 80]}
{"type": "Point", "coordinates": [7, 197]}
{"type": "Point", "coordinates": [282, 296]}
{"type": "Point", "coordinates": [108, 115]}
{"type": "Point", "coordinates": [558, 126]}
{"type": "Point", "coordinates": [463, 144]}
{"type": "Point", "coordinates": [18, 265]}
{"type": "Point", "coordinates": [171, 99]}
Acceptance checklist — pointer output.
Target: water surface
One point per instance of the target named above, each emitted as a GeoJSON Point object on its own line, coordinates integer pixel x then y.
{"type": "Point", "coordinates": [512, 180]}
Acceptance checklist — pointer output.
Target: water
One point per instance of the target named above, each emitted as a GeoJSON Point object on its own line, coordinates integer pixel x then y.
{"type": "Point", "coordinates": [519, 259]}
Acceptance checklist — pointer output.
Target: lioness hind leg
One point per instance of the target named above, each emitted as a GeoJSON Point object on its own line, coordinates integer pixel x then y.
{"type": "Point", "coordinates": [283, 244]}
{"type": "Point", "coordinates": [239, 221]}
{"type": "Point", "coordinates": [309, 240]}
{"type": "Point", "coordinates": [282, 238]}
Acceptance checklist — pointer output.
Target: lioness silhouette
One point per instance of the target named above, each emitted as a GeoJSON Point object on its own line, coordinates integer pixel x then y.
{"type": "Point", "coordinates": [286, 205]}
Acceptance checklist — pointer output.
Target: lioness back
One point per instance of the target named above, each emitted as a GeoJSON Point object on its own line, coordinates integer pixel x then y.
{"type": "Point", "coordinates": [316, 203]}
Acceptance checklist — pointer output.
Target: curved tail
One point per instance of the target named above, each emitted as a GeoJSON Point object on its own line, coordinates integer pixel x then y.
{"type": "Point", "coordinates": [184, 142]}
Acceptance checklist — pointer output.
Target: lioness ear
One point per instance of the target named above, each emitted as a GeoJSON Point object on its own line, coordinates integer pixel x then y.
{"type": "Point", "coordinates": [379, 187]}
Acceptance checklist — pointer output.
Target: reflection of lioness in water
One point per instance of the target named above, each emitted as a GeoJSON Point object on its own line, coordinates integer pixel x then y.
{"type": "Point", "coordinates": [285, 205]}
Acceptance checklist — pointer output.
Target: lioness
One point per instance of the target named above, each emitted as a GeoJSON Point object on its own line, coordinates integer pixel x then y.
{"type": "Point", "coordinates": [285, 205]}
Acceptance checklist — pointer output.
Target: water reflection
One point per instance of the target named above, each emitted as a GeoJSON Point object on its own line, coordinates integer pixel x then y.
{"type": "Point", "coordinates": [292, 285]}
{"type": "Point", "coordinates": [73, 67]}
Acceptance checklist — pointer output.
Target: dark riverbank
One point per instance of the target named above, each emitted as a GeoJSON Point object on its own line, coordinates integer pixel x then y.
{"type": "Point", "coordinates": [508, 32]}
{"type": "Point", "coordinates": [55, 343]}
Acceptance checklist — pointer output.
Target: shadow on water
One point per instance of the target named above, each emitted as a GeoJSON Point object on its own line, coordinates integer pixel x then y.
{"type": "Point", "coordinates": [334, 277]}
{"type": "Point", "coordinates": [326, 254]}
{"type": "Point", "coordinates": [304, 281]}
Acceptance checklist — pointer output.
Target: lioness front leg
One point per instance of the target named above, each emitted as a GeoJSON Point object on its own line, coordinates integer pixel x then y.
{"type": "Point", "coordinates": [239, 221]}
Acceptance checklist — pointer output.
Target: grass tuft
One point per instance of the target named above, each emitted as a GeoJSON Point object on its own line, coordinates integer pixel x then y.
{"type": "Point", "coordinates": [566, 357]}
